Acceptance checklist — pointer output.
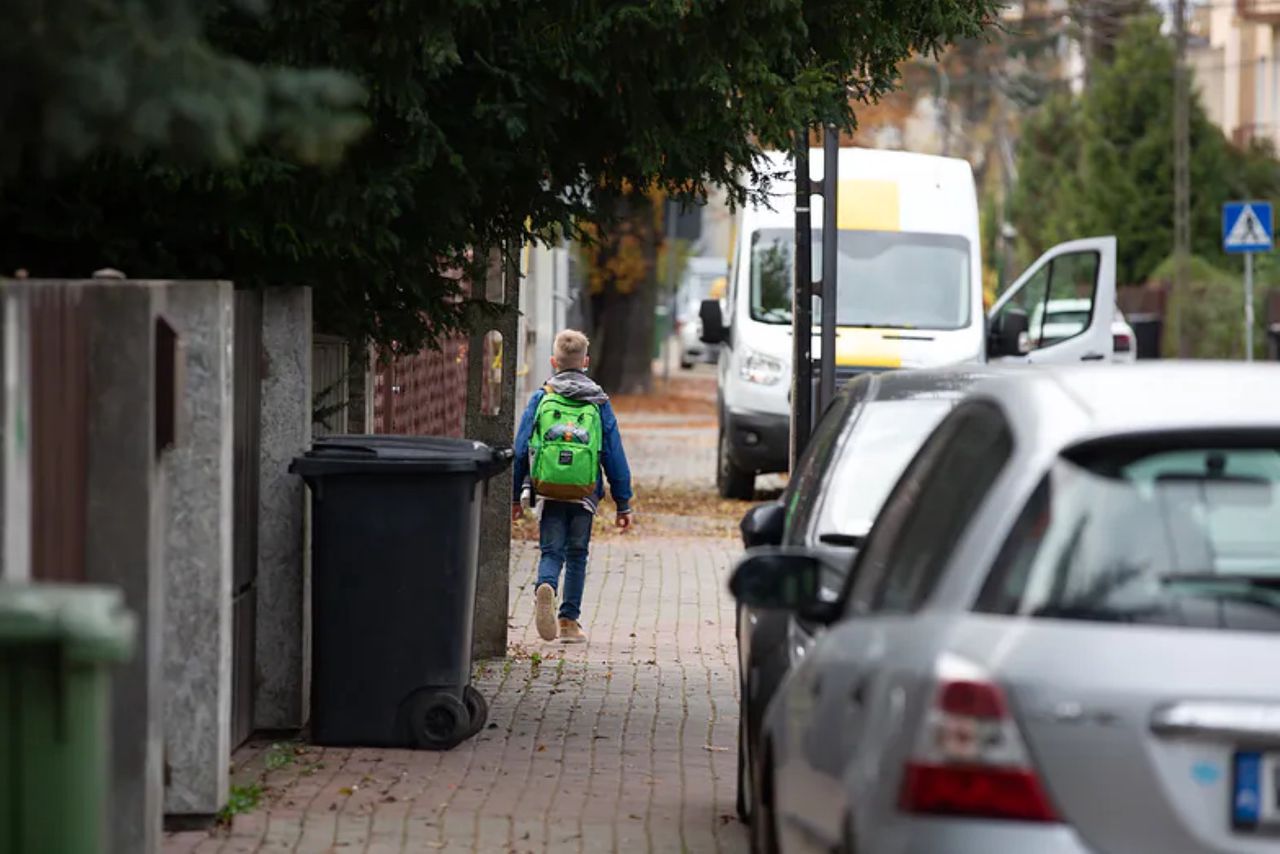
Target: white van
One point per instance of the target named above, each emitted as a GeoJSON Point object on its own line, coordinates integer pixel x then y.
{"type": "Point", "coordinates": [909, 295]}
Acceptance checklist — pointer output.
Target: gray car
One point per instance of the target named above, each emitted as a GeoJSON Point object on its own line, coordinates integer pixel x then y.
{"type": "Point", "coordinates": [860, 446]}
{"type": "Point", "coordinates": [1062, 634]}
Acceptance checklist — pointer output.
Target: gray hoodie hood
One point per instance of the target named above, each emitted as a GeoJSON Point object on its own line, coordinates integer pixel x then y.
{"type": "Point", "coordinates": [576, 385]}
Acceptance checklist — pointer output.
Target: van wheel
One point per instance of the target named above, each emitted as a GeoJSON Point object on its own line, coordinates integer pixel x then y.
{"type": "Point", "coordinates": [731, 481]}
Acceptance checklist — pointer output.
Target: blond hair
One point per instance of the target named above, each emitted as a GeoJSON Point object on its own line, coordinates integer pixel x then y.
{"type": "Point", "coordinates": [571, 350]}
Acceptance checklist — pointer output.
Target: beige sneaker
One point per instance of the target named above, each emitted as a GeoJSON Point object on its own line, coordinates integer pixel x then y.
{"type": "Point", "coordinates": [545, 611]}
{"type": "Point", "coordinates": [571, 632]}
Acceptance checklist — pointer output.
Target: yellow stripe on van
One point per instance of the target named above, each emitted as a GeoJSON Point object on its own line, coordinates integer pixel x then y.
{"type": "Point", "coordinates": [868, 206]}
{"type": "Point", "coordinates": [867, 348]}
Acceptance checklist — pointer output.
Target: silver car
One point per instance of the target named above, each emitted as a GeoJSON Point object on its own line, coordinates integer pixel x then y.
{"type": "Point", "coordinates": [1062, 634]}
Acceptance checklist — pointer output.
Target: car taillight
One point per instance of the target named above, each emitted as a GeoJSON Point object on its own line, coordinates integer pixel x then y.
{"type": "Point", "coordinates": [1121, 342]}
{"type": "Point", "coordinates": [971, 759]}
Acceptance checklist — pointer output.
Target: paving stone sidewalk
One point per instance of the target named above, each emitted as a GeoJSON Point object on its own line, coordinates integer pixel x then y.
{"type": "Point", "coordinates": [626, 743]}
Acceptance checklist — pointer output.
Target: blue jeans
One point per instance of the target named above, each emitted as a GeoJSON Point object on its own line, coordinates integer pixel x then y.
{"type": "Point", "coordinates": [564, 537]}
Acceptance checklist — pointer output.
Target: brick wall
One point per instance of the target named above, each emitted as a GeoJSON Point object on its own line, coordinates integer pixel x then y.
{"type": "Point", "coordinates": [424, 394]}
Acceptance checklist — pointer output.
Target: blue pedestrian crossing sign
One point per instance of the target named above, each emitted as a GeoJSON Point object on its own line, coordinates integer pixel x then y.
{"type": "Point", "coordinates": [1246, 226]}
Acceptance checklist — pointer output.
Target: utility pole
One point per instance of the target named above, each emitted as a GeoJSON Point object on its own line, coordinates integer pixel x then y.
{"type": "Point", "coordinates": [1181, 174]}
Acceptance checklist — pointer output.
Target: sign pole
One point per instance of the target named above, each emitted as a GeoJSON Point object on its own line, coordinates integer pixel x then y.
{"type": "Point", "coordinates": [802, 307]}
{"type": "Point", "coordinates": [1247, 227]}
{"type": "Point", "coordinates": [1248, 306]}
{"type": "Point", "coordinates": [830, 249]}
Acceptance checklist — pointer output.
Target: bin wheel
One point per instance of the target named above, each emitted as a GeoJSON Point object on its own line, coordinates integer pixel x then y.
{"type": "Point", "coordinates": [438, 721]}
{"type": "Point", "coordinates": [477, 708]}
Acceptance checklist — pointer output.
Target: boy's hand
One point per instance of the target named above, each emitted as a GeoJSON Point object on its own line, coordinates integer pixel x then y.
{"type": "Point", "coordinates": [624, 520]}
{"type": "Point", "coordinates": [517, 512]}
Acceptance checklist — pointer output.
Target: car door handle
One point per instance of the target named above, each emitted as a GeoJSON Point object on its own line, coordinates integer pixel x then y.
{"type": "Point", "coordinates": [1092, 357]}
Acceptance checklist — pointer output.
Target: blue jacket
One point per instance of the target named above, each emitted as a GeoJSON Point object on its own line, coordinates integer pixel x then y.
{"type": "Point", "coordinates": [613, 459]}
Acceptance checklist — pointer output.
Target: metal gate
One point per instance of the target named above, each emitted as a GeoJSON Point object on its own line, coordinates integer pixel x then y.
{"type": "Point", "coordinates": [247, 389]}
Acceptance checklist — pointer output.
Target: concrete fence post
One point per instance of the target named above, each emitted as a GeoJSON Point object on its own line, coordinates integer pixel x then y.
{"type": "Point", "coordinates": [198, 576]}
{"type": "Point", "coordinates": [15, 500]}
{"type": "Point", "coordinates": [125, 540]}
{"type": "Point", "coordinates": [494, 427]}
{"type": "Point", "coordinates": [283, 625]}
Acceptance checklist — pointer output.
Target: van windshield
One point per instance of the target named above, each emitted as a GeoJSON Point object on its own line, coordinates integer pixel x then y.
{"type": "Point", "coordinates": [888, 279]}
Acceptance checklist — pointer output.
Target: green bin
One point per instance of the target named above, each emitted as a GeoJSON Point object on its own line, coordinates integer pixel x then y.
{"type": "Point", "coordinates": [56, 644]}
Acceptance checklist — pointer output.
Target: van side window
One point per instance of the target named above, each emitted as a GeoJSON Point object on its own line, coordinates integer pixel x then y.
{"type": "Point", "coordinates": [929, 510]}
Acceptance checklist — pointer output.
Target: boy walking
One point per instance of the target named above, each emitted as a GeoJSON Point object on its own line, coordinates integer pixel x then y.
{"type": "Point", "coordinates": [566, 445]}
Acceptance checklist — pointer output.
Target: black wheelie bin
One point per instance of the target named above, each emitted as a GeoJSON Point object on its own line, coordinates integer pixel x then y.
{"type": "Point", "coordinates": [395, 529]}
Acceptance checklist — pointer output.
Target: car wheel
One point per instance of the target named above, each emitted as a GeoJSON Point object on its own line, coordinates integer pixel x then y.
{"type": "Point", "coordinates": [744, 764]}
{"type": "Point", "coordinates": [731, 481]}
{"type": "Point", "coordinates": [764, 829]}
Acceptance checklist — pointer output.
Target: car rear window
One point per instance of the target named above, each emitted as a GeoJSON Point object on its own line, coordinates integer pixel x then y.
{"type": "Point", "coordinates": [1183, 537]}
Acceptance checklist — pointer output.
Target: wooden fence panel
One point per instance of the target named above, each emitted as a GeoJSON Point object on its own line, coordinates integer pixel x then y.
{"type": "Point", "coordinates": [59, 430]}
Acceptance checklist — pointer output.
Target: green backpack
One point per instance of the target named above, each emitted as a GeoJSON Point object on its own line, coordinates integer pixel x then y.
{"type": "Point", "coordinates": [565, 446]}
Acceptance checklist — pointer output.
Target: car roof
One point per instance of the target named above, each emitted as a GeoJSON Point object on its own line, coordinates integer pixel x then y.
{"type": "Point", "coordinates": [1072, 404]}
{"type": "Point", "coordinates": [946, 382]}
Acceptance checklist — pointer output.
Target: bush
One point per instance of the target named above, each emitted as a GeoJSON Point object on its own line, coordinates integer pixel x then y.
{"type": "Point", "coordinates": [1213, 322]}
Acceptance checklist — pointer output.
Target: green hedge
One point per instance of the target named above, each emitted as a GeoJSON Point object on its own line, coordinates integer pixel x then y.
{"type": "Point", "coordinates": [1214, 312]}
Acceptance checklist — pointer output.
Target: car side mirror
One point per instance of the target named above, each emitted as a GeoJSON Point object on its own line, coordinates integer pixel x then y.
{"type": "Point", "coordinates": [713, 328]}
{"type": "Point", "coordinates": [763, 525]}
{"type": "Point", "coordinates": [1009, 334]}
{"type": "Point", "coordinates": [784, 578]}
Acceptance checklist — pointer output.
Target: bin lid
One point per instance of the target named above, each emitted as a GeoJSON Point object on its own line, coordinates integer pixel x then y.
{"type": "Point", "coordinates": [399, 454]}
{"type": "Point", "coordinates": [89, 621]}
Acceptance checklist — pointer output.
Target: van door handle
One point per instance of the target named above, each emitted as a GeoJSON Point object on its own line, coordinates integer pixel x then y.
{"type": "Point", "coordinates": [1092, 357]}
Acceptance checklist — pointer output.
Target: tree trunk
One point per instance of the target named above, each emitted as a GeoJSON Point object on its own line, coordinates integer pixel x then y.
{"type": "Point", "coordinates": [623, 297]}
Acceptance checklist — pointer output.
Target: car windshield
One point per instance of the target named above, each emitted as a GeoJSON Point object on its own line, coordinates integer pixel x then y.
{"type": "Point", "coordinates": [895, 280]}
{"type": "Point", "coordinates": [884, 438]}
{"type": "Point", "coordinates": [1183, 538]}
